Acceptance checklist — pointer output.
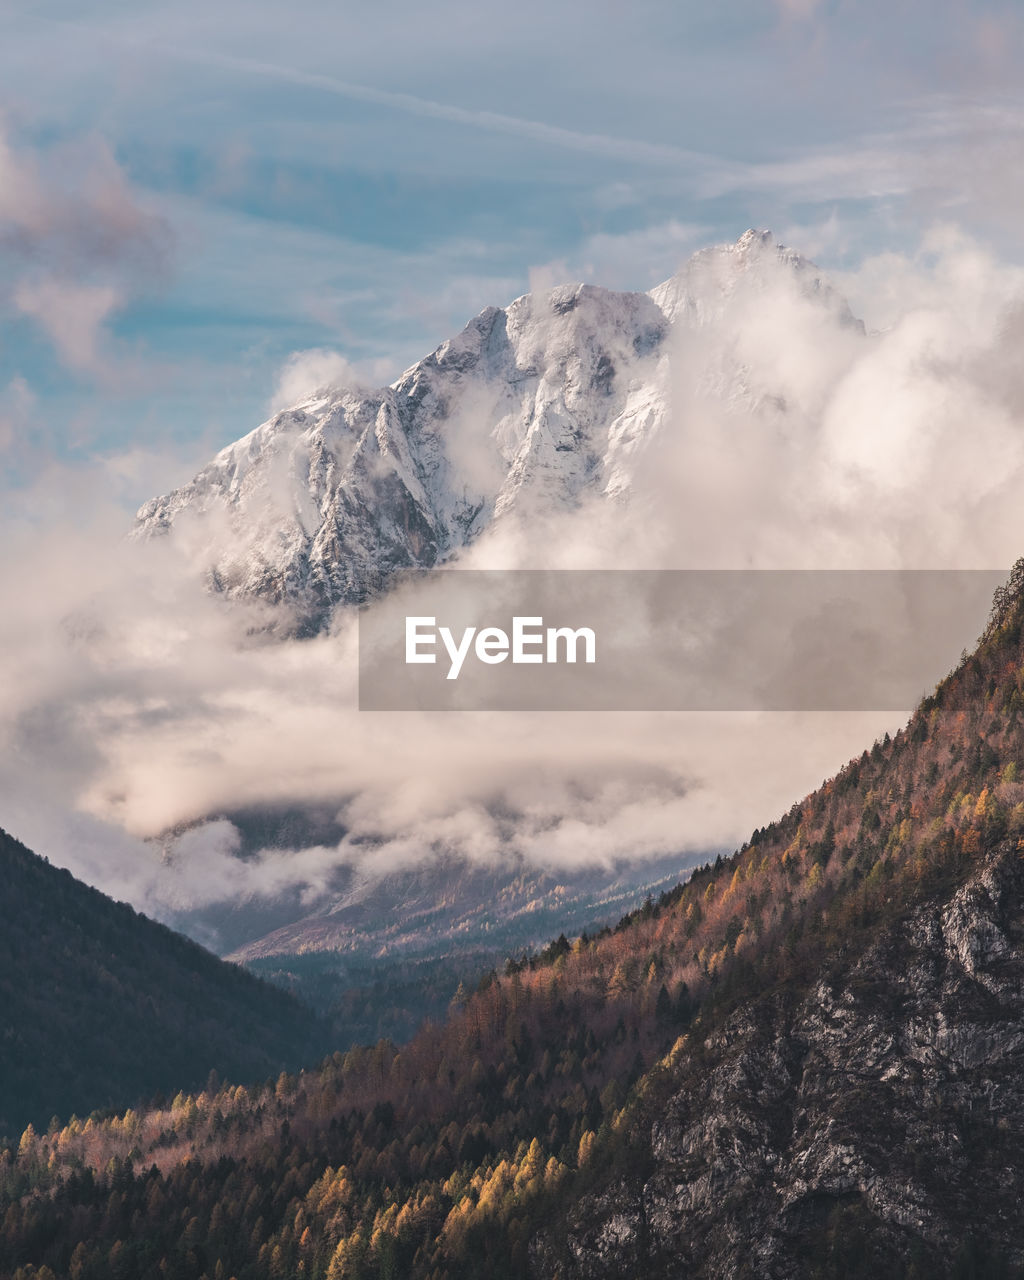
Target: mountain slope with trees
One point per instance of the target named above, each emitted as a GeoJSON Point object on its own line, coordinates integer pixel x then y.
{"type": "Point", "coordinates": [101, 1007]}
{"type": "Point", "coordinates": [805, 1061]}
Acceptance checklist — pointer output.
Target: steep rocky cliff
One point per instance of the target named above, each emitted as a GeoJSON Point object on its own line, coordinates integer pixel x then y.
{"type": "Point", "coordinates": [857, 1109]}
{"type": "Point", "coordinates": [870, 1123]}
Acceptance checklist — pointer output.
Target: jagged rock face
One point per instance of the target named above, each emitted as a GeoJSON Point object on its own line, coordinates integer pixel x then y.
{"type": "Point", "coordinates": [450, 906]}
{"type": "Point", "coordinates": [527, 411]}
{"type": "Point", "coordinates": [528, 405]}
{"type": "Point", "coordinates": [878, 1119]}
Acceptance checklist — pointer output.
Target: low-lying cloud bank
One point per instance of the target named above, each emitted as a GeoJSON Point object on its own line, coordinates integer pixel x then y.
{"type": "Point", "coordinates": [137, 711]}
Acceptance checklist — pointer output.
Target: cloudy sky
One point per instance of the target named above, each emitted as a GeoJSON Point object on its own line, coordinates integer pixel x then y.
{"type": "Point", "coordinates": [191, 193]}
{"type": "Point", "coordinates": [206, 208]}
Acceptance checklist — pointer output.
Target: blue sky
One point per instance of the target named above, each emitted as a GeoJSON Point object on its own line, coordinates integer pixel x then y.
{"type": "Point", "coordinates": [192, 193]}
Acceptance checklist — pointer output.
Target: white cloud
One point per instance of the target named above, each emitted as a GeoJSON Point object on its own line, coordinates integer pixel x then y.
{"type": "Point", "coordinates": [134, 704]}
{"type": "Point", "coordinates": [305, 372]}
{"type": "Point", "coordinates": [72, 315]}
{"type": "Point", "coordinates": [637, 259]}
{"type": "Point", "coordinates": [643, 258]}
{"type": "Point", "coordinates": [548, 275]}
{"type": "Point", "coordinates": [79, 242]}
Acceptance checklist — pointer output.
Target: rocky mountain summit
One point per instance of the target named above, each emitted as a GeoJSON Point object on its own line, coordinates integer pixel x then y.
{"type": "Point", "coordinates": [530, 409]}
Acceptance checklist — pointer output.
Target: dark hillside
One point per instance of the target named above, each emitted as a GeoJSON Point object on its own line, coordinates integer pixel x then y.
{"type": "Point", "coordinates": [101, 1007]}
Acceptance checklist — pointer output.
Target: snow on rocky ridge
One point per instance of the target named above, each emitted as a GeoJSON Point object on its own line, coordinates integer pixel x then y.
{"type": "Point", "coordinates": [530, 409]}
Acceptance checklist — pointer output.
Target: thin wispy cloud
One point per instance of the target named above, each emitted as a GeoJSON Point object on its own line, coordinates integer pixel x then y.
{"type": "Point", "coordinates": [633, 150]}
{"type": "Point", "coordinates": [954, 150]}
{"type": "Point", "coordinates": [878, 165]}
{"type": "Point", "coordinates": [940, 146]}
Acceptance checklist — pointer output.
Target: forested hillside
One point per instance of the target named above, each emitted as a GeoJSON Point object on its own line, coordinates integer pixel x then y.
{"type": "Point", "coordinates": [101, 1007]}
{"type": "Point", "coordinates": [806, 1061]}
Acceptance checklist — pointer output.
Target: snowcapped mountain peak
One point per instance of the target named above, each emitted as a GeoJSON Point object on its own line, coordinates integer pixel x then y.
{"type": "Point", "coordinates": [754, 239]}
{"type": "Point", "coordinates": [713, 278]}
{"type": "Point", "coordinates": [527, 410]}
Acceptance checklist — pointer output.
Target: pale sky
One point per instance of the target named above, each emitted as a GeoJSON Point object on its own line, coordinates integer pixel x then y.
{"type": "Point", "coordinates": [192, 193]}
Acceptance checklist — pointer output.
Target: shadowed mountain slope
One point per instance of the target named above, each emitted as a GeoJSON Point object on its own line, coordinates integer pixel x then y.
{"type": "Point", "coordinates": [101, 1007]}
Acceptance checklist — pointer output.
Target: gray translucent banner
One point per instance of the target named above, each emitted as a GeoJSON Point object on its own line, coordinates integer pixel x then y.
{"type": "Point", "coordinates": [668, 640]}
